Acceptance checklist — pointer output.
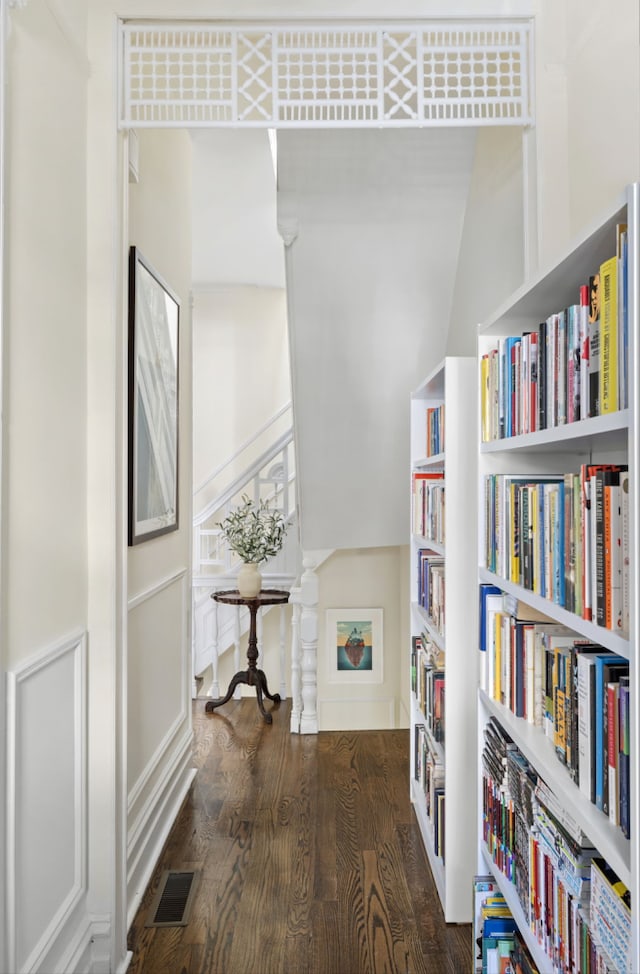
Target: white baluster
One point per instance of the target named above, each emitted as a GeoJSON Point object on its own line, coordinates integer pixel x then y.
{"type": "Point", "coordinates": [296, 696]}
{"type": "Point", "coordinates": [237, 693]}
{"type": "Point", "coordinates": [215, 686]}
{"type": "Point", "coordinates": [283, 652]}
{"type": "Point", "coordinates": [309, 642]}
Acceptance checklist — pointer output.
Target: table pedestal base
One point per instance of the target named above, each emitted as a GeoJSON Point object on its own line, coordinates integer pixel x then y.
{"type": "Point", "coordinates": [253, 678]}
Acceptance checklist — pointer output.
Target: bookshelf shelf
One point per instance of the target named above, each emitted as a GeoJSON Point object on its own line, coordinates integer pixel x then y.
{"type": "Point", "coordinates": [580, 436]}
{"type": "Point", "coordinates": [452, 386]}
{"type": "Point", "coordinates": [422, 542]}
{"type": "Point", "coordinates": [562, 449]}
{"type": "Point", "coordinates": [427, 624]}
{"type": "Point", "coordinates": [437, 460]}
{"type": "Point", "coordinates": [598, 634]}
{"type": "Point", "coordinates": [419, 716]}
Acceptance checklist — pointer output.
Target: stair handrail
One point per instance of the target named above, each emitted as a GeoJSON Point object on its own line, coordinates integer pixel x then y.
{"type": "Point", "coordinates": [245, 478]}
{"type": "Point", "coordinates": [245, 446]}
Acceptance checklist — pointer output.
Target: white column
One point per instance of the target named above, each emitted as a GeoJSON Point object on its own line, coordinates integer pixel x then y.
{"type": "Point", "coordinates": [296, 696]}
{"type": "Point", "coordinates": [309, 642]}
{"type": "Point", "coordinates": [215, 686]}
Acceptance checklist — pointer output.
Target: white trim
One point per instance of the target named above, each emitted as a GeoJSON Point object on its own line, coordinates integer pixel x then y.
{"type": "Point", "coordinates": [143, 817]}
{"type": "Point", "coordinates": [146, 776]}
{"type": "Point", "coordinates": [185, 698]}
{"type": "Point", "coordinates": [147, 839]}
{"type": "Point", "coordinates": [89, 947]}
{"type": "Point", "coordinates": [155, 589]}
{"type": "Point", "coordinates": [77, 646]}
{"type": "Point", "coordinates": [4, 923]}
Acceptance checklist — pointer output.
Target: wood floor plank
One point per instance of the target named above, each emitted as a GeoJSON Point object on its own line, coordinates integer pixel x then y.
{"type": "Point", "coordinates": [308, 856]}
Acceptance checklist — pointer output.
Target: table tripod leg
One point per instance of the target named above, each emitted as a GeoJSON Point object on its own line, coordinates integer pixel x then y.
{"type": "Point", "coordinates": [211, 705]}
{"type": "Point", "coordinates": [261, 681]}
{"type": "Point", "coordinates": [265, 713]}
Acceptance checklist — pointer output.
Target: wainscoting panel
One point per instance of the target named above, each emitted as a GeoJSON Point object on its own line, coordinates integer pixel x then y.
{"type": "Point", "coordinates": [46, 803]}
{"type": "Point", "coordinates": [159, 735]}
{"type": "Point", "coordinates": [157, 676]}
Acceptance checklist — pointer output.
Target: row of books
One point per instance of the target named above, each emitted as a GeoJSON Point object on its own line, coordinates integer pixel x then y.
{"type": "Point", "coordinates": [431, 586]}
{"type": "Point", "coordinates": [494, 929]}
{"type": "Point", "coordinates": [427, 505]}
{"type": "Point", "coordinates": [564, 537]}
{"type": "Point", "coordinates": [575, 906]}
{"type": "Point", "coordinates": [573, 365]}
{"type": "Point", "coordinates": [429, 773]}
{"type": "Point", "coordinates": [498, 944]}
{"type": "Point", "coordinates": [428, 683]}
{"type": "Point", "coordinates": [575, 691]}
{"type": "Point", "coordinates": [435, 430]}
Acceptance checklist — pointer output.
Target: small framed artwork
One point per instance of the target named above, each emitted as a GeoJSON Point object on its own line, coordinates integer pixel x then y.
{"type": "Point", "coordinates": [354, 645]}
{"type": "Point", "coordinates": [154, 317]}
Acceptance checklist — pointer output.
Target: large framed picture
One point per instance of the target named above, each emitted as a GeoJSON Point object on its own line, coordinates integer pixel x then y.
{"type": "Point", "coordinates": [154, 319]}
{"type": "Point", "coordinates": [354, 645]}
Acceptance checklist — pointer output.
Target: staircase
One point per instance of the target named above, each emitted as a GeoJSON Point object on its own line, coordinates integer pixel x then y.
{"type": "Point", "coordinates": [267, 473]}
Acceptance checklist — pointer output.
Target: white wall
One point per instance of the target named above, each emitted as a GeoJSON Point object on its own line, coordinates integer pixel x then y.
{"type": "Point", "coordinates": [370, 276]}
{"type": "Point", "coordinates": [45, 386]}
{"type": "Point", "coordinates": [43, 646]}
{"type": "Point", "coordinates": [240, 371]}
{"type": "Point", "coordinates": [490, 263]}
{"type": "Point", "coordinates": [369, 578]}
{"type": "Point", "coordinates": [603, 81]}
{"type": "Point", "coordinates": [587, 137]}
{"type": "Point", "coordinates": [159, 598]}
{"type": "Point", "coordinates": [235, 233]}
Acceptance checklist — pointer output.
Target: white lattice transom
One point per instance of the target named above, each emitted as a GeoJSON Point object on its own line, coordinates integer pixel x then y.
{"type": "Point", "coordinates": [314, 76]}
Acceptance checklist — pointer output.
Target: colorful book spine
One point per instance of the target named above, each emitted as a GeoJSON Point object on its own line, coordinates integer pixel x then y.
{"type": "Point", "coordinates": [609, 335]}
{"type": "Point", "coordinates": [594, 345]}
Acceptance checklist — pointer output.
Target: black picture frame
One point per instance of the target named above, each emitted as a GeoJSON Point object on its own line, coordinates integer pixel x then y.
{"type": "Point", "coordinates": [154, 330]}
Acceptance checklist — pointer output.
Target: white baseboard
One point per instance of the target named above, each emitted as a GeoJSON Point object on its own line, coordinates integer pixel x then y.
{"type": "Point", "coordinates": [90, 949]}
{"type": "Point", "coordinates": [159, 817]}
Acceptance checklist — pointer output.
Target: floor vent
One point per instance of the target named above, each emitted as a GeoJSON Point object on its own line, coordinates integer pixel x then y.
{"type": "Point", "coordinates": [172, 903]}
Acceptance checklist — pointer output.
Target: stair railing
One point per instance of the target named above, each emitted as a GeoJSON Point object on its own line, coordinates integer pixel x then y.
{"type": "Point", "coordinates": [216, 628]}
{"type": "Point", "coordinates": [270, 476]}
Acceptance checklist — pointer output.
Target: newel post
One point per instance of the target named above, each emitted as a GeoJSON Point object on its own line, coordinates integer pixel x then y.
{"type": "Point", "coordinates": [309, 644]}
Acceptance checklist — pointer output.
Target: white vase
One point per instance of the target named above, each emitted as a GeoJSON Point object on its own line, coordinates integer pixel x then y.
{"type": "Point", "coordinates": [249, 580]}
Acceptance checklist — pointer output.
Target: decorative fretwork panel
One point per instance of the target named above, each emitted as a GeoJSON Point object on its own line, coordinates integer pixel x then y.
{"type": "Point", "coordinates": [314, 76]}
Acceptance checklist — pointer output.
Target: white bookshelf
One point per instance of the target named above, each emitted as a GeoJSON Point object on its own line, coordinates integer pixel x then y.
{"type": "Point", "coordinates": [453, 384]}
{"type": "Point", "coordinates": [603, 439]}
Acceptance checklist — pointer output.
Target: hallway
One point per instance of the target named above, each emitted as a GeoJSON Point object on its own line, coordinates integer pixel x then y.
{"type": "Point", "coordinates": [307, 855]}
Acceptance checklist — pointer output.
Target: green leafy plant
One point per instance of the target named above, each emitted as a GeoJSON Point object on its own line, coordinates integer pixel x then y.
{"type": "Point", "coordinates": [255, 533]}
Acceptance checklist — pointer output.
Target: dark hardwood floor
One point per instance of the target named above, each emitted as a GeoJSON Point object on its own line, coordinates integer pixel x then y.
{"type": "Point", "coordinates": [308, 858]}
